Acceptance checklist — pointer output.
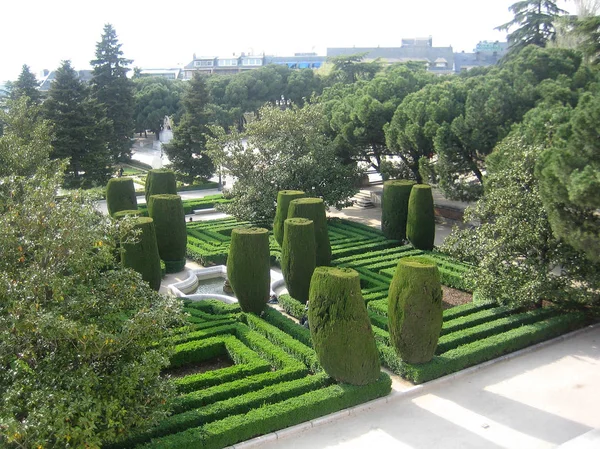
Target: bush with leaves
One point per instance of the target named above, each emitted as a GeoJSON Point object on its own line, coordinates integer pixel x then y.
{"type": "Point", "coordinates": [282, 150]}
{"type": "Point", "coordinates": [75, 328]}
{"type": "Point", "coordinates": [518, 259]}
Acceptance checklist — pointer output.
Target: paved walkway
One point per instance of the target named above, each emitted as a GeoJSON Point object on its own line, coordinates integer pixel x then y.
{"type": "Point", "coordinates": [537, 399]}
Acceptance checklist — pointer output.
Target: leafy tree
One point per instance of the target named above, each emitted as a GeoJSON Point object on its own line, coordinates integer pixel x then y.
{"type": "Point", "coordinates": [518, 260]}
{"type": "Point", "coordinates": [569, 172]}
{"type": "Point", "coordinates": [25, 143]}
{"type": "Point", "coordinates": [413, 128]}
{"type": "Point", "coordinates": [77, 333]}
{"type": "Point", "coordinates": [350, 68]}
{"type": "Point", "coordinates": [358, 112]}
{"type": "Point", "coordinates": [282, 150]}
{"type": "Point", "coordinates": [302, 85]}
{"type": "Point", "coordinates": [26, 85]}
{"type": "Point", "coordinates": [187, 150]}
{"type": "Point", "coordinates": [156, 98]}
{"type": "Point", "coordinates": [588, 29]}
{"type": "Point", "coordinates": [534, 23]}
{"type": "Point", "coordinates": [79, 128]}
{"type": "Point", "coordinates": [114, 92]}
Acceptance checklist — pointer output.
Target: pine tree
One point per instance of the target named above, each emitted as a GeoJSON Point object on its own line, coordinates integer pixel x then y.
{"type": "Point", "coordinates": [26, 86]}
{"type": "Point", "coordinates": [79, 128]}
{"type": "Point", "coordinates": [187, 150]}
{"type": "Point", "coordinates": [114, 91]}
{"type": "Point", "coordinates": [534, 20]}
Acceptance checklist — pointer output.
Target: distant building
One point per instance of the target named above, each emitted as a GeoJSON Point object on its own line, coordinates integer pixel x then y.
{"type": "Point", "coordinates": [441, 60]}
{"type": "Point", "coordinates": [438, 59]}
{"type": "Point", "coordinates": [170, 74]}
{"type": "Point", "coordinates": [48, 77]}
{"type": "Point", "coordinates": [298, 61]}
{"type": "Point", "coordinates": [485, 54]}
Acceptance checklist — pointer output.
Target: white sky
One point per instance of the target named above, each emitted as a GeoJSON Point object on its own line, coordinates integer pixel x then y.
{"type": "Point", "coordinates": [164, 34]}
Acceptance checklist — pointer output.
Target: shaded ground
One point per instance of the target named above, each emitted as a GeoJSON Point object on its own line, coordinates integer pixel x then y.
{"type": "Point", "coordinates": [453, 297]}
{"type": "Point", "coordinates": [222, 361]}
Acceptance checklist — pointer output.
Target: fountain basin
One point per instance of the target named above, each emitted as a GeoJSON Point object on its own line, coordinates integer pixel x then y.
{"type": "Point", "coordinates": [187, 288]}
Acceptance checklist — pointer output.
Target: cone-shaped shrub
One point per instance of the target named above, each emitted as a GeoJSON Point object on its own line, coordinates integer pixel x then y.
{"type": "Point", "coordinates": [159, 181]}
{"type": "Point", "coordinates": [171, 234]}
{"type": "Point", "coordinates": [120, 195]}
{"type": "Point", "coordinates": [340, 327]}
{"type": "Point", "coordinates": [283, 204]}
{"type": "Point", "coordinates": [248, 268]}
{"type": "Point", "coordinates": [142, 255]}
{"type": "Point", "coordinates": [420, 226]}
{"type": "Point", "coordinates": [394, 208]}
{"type": "Point", "coordinates": [125, 213]}
{"type": "Point", "coordinates": [415, 309]}
{"type": "Point", "coordinates": [298, 256]}
{"type": "Point", "coordinates": [314, 209]}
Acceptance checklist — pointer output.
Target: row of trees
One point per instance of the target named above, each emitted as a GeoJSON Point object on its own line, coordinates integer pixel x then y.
{"type": "Point", "coordinates": [91, 125]}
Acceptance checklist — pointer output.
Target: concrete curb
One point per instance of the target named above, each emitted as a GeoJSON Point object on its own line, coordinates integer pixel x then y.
{"type": "Point", "coordinates": [396, 395]}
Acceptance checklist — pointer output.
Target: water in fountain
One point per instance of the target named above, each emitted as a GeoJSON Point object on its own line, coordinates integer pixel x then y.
{"type": "Point", "coordinates": [211, 286]}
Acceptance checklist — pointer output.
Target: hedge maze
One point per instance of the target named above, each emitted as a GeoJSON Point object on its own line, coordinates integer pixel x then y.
{"type": "Point", "coordinates": [272, 365]}
{"type": "Point", "coordinates": [275, 364]}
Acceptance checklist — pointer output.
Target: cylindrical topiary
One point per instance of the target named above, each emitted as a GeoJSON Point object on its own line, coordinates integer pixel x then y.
{"type": "Point", "coordinates": [298, 256]}
{"type": "Point", "coordinates": [120, 195]}
{"type": "Point", "coordinates": [248, 268]}
{"type": "Point", "coordinates": [171, 233]}
{"type": "Point", "coordinates": [420, 225]}
{"type": "Point", "coordinates": [340, 327]}
{"type": "Point", "coordinates": [160, 181]}
{"type": "Point", "coordinates": [394, 208]}
{"type": "Point", "coordinates": [314, 209]}
{"type": "Point", "coordinates": [283, 204]}
{"type": "Point", "coordinates": [142, 254]}
{"type": "Point", "coordinates": [126, 213]}
{"type": "Point", "coordinates": [415, 309]}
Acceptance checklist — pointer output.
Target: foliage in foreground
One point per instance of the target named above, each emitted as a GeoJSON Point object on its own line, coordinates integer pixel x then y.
{"type": "Point", "coordinates": [74, 328]}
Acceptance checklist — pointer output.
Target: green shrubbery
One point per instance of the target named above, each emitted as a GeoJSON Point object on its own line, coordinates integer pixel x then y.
{"type": "Point", "coordinates": [415, 310]}
{"type": "Point", "coordinates": [248, 267]}
{"type": "Point", "coordinates": [420, 225]}
{"type": "Point", "coordinates": [120, 195]}
{"type": "Point", "coordinates": [394, 209]}
{"type": "Point", "coordinates": [314, 209]}
{"type": "Point", "coordinates": [340, 327]}
{"type": "Point", "coordinates": [171, 234]}
{"type": "Point", "coordinates": [284, 197]}
{"type": "Point", "coordinates": [298, 256]}
{"type": "Point", "coordinates": [160, 181]}
{"type": "Point", "coordinates": [142, 253]}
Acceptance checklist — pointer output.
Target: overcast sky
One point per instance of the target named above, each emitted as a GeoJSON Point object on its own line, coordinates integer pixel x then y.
{"type": "Point", "coordinates": [164, 34]}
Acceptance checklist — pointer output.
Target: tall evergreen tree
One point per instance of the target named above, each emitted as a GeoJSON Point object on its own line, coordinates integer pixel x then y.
{"type": "Point", "coordinates": [187, 150]}
{"type": "Point", "coordinates": [114, 91]}
{"type": "Point", "coordinates": [534, 23]}
{"type": "Point", "coordinates": [79, 128]}
{"type": "Point", "coordinates": [26, 86]}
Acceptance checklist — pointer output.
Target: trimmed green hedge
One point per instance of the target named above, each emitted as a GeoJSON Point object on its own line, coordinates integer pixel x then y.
{"type": "Point", "coordinates": [160, 181]}
{"type": "Point", "coordinates": [298, 256]}
{"type": "Point", "coordinates": [281, 214]}
{"type": "Point", "coordinates": [248, 268]}
{"type": "Point", "coordinates": [120, 195]}
{"type": "Point", "coordinates": [260, 421]}
{"type": "Point", "coordinates": [314, 209]}
{"type": "Point", "coordinates": [171, 235]}
{"type": "Point", "coordinates": [420, 225]}
{"type": "Point", "coordinates": [394, 208]}
{"type": "Point", "coordinates": [142, 254]}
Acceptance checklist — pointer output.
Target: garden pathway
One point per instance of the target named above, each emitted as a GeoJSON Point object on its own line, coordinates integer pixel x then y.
{"type": "Point", "coordinates": [540, 398]}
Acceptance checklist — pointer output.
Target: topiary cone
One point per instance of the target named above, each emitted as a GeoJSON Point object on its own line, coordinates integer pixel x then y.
{"type": "Point", "coordinates": [159, 181]}
{"type": "Point", "coordinates": [298, 256]}
{"type": "Point", "coordinates": [314, 209]}
{"type": "Point", "coordinates": [142, 255]}
{"type": "Point", "coordinates": [120, 195]}
{"type": "Point", "coordinates": [394, 208]}
{"type": "Point", "coordinates": [283, 203]}
{"type": "Point", "coordinates": [248, 268]}
{"type": "Point", "coordinates": [420, 225]}
{"type": "Point", "coordinates": [340, 327]}
{"type": "Point", "coordinates": [171, 233]}
{"type": "Point", "coordinates": [415, 309]}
